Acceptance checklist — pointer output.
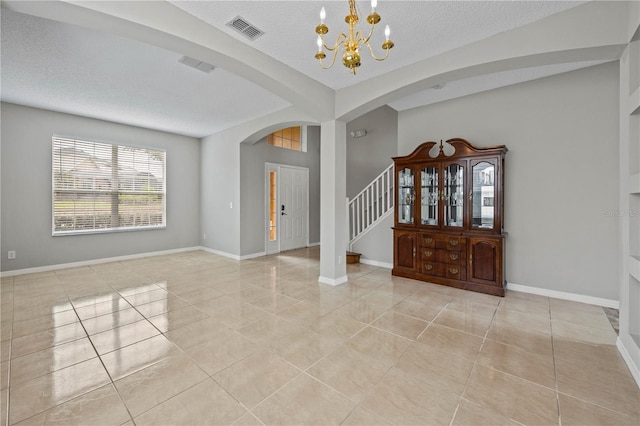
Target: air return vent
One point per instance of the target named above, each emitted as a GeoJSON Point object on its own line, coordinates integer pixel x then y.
{"type": "Point", "coordinates": [197, 64]}
{"type": "Point", "coordinates": [245, 28]}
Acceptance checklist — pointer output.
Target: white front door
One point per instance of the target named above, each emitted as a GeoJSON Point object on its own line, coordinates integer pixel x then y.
{"type": "Point", "coordinates": [294, 206]}
{"type": "Point", "coordinates": [287, 207]}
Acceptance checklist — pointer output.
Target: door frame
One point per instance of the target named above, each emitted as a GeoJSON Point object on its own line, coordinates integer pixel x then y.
{"type": "Point", "coordinates": [273, 247]}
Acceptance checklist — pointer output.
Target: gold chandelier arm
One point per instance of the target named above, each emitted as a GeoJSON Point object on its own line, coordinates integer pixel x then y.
{"type": "Point", "coordinates": [333, 60]}
{"type": "Point", "coordinates": [366, 40]}
{"type": "Point", "coordinates": [360, 38]}
{"type": "Point", "coordinates": [374, 55]}
{"type": "Point", "coordinates": [338, 42]}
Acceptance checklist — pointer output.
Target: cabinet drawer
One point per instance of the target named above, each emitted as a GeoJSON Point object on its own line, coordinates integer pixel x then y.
{"type": "Point", "coordinates": [427, 240]}
{"type": "Point", "coordinates": [428, 254]}
{"type": "Point", "coordinates": [450, 257]}
{"type": "Point", "coordinates": [433, 268]}
{"type": "Point", "coordinates": [451, 242]}
{"type": "Point", "coordinates": [455, 271]}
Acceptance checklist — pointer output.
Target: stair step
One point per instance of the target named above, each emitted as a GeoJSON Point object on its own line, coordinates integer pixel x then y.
{"type": "Point", "coordinates": [353, 257]}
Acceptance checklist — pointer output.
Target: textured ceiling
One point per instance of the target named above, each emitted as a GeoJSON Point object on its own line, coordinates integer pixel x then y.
{"type": "Point", "coordinates": [63, 67]}
{"type": "Point", "coordinates": [419, 29]}
{"type": "Point", "coordinates": [51, 65]}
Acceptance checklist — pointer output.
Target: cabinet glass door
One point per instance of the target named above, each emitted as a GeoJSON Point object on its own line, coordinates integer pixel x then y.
{"type": "Point", "coordinates": [406, 196]}
{"type": "Point", "coordinates": [454, 195]}
{"type": "Point", "coordinates": [483, 196]}
{"type": "Point", "coordinates": [429, 196]}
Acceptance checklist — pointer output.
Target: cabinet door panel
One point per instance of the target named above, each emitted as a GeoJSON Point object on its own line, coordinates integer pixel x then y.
{"type": "Point", "coordinates": [486, 260]}
{"type": "Point", "coordinates": [429, 195]}
{"type": "Point", "coordinates": [453, 192]}
{"type": "Point", "coordinates": [405, 250]}
{"type": "Point", "coordinates": [485, 196]}
{"type": "Point", "coordinates": [406, 196]}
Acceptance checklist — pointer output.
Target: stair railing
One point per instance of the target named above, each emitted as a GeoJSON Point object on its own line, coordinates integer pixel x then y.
{"type": "Point", "coordinates": [371, 205]}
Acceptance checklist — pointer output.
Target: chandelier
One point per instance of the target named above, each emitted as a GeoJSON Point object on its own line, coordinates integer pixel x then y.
{"type": "Point", "coordinates": [352, 42]}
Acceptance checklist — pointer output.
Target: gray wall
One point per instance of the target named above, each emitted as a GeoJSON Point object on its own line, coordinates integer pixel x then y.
{"type": "Point", "coordinates": [252, 187]}
{"type": "Point", "coordinates": [561, 172]}
{"type": "Point", "coordinates": [26, 190]}
{"type": "Point", "coordinates": [377, 244]}
{"type": "Point", "coordinates": [219, 197]}
{"type": "Point", "coordinates": [368, 156]}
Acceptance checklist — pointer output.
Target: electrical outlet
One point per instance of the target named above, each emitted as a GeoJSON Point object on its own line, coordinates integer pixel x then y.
{"type": "Point", "coordinates": [204, 236]}
{"type": "Point", "coordinates": [11, 254]}
{"type": "Point", "coordinates": [339, 260]}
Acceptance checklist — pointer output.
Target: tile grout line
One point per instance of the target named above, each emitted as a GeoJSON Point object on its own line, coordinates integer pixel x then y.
{"type": "Point", "coordinates": [475, 362]}
{"type": "Point", "coordinates": [8, 413]}
{"type": "Point", "coordinates": [112, 383]}
{"type": "Point", "coordinates": [555, 367]}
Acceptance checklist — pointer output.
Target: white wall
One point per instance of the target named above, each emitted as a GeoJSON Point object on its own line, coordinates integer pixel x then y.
{"type": "Point", "coordinates": [561, 172]}
{"type": "Point", "coordinates": [26, 190]}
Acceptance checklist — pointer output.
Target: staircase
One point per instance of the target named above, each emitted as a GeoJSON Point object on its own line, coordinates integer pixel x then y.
{"type": "Point", "coordinates": [370, 206]}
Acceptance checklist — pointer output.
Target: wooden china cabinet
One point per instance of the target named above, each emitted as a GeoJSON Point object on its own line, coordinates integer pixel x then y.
{"type": "Point", "coordinates": [448, 225]}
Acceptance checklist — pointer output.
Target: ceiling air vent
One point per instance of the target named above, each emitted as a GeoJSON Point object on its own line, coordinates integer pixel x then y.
{"type": "Point", "coordinates": [243, 27]}
{"type": "Point", "coordinates": [197, 64]}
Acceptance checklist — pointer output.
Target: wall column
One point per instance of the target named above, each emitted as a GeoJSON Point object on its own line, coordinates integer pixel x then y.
{"type": "Point", "coordinates": [333, 204]}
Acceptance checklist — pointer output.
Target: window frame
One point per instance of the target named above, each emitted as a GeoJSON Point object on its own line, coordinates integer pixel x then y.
{"type": "Point", "coordinates": [302, 142]}
{"type": "Point", "coordinates": [120, 191]}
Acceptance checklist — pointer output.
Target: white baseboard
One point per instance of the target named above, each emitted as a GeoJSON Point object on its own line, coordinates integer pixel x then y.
{"type": "Point", "coordinates": [221, 253]}
{"type": "Point", "coordinates": [608, 303]}
{"type": "Point", "coordinates": [314, 244]}
{"type": "Point", "coordinates": [49, 268]}
{"type": "Point", "coordinates": [333, 282]}
{"type": "Point", "coordinates": [233, 256]}
{"type": "Point", "coordinates": [253, 255]}
{"type": "Point", "coordinates": [628, 359]}
{"type": "Point", "coordinates": [376, 263]}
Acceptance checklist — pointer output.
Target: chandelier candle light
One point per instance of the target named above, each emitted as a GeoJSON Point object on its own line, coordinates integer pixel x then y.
{"type": "Point", "coordinates": [351, 43]}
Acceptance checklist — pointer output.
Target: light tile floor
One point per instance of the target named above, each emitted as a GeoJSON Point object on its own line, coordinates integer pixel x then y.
{"type": "Point", "coordinates": [195, 338]}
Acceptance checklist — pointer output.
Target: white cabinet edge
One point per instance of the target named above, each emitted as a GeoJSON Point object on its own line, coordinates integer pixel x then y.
{"type": "Point", "coordinates": [634, 102]}
{"type": "Point", "coordinates": [634, 184]}
{"type": "Point", "coordinates": [634, 267]}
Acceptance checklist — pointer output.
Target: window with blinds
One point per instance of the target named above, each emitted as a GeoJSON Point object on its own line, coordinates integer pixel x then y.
{"type": "Point", "coordinates": [102, 187]}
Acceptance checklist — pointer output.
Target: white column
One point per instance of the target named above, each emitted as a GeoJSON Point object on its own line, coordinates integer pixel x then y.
{"type": "Point", "coordinates": [333, 194]}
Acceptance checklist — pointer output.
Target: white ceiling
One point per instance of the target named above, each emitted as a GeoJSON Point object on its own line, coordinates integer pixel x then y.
{"type": "Point", "coordinates": [61, 67]}
{"type": "Point", "coordinates": [419, 29]}
{"type": "Point", "coordinates": [54, 65]}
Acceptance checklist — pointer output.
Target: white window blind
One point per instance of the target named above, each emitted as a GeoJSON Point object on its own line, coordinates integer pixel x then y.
{"type": "Point", "coordinates": [102, 187]}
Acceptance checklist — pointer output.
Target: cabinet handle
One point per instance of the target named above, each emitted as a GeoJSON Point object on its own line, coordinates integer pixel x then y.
{"type": "Point", "coordinates": [453, 270]}
{"type": "Point", "coordinates": [428, 240]}
{"type": "Point", "coordinates": [428, 253]}
{"type": "Point", "coordinates": [428, 267]}
{"type": "Point", "coordinates": [470, 195]}
{"type": "Point", "coordinates": [453, 242]}
{"type": "Point", "coordinates": [453, 256]}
